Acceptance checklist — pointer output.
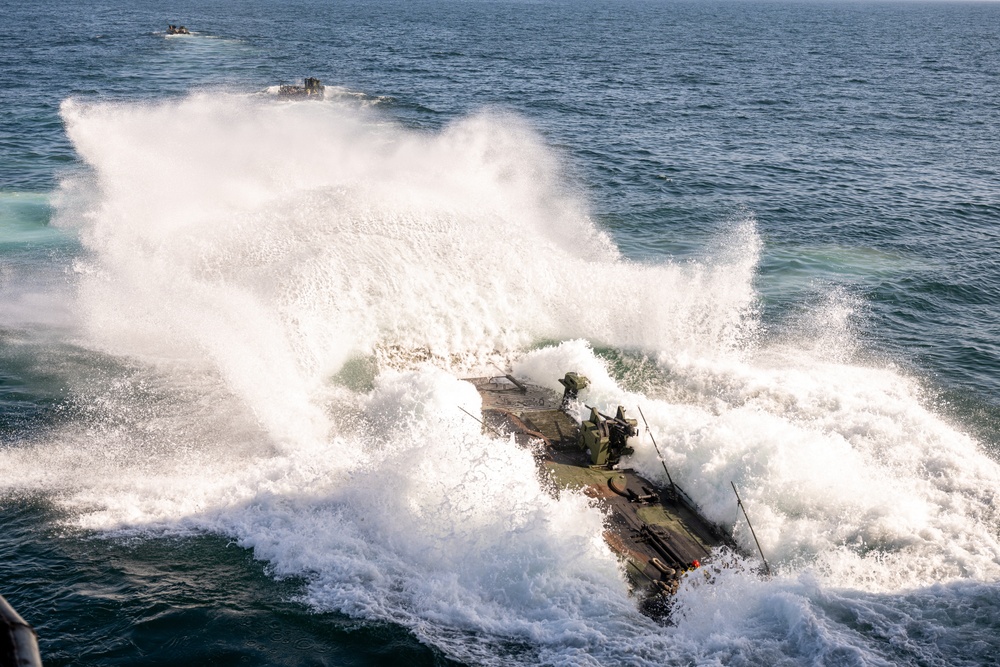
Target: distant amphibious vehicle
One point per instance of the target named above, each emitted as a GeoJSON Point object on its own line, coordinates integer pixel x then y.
{"type": "Point", "coordinates": [311, 88]}
{"type": "Point", "coordinates": [659, 533]}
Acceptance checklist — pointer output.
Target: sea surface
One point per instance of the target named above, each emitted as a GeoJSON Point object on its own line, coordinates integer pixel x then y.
{"type": "Point", "coordinates": [233, 328]}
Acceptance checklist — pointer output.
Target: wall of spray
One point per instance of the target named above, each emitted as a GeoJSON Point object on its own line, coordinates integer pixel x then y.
{"type": "Point", "coordinates": [276, 303]}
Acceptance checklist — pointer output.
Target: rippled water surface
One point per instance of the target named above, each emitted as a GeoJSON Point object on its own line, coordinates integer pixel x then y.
{"type": "Point", "coordinates": [233, 328]}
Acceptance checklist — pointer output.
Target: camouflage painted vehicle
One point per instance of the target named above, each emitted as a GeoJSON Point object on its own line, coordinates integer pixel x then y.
{"type": "Point", "coordinates": [311, 89]}
{"type": "Point", "coordinates": [658, 533]}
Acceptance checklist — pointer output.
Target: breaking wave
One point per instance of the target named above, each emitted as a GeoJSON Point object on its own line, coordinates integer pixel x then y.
{"type": "Point", "coordinates": [277, 303]}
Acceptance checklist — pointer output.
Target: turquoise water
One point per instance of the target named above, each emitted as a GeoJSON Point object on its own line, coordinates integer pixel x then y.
{"type": "Point", "coordinates": [232, 328]}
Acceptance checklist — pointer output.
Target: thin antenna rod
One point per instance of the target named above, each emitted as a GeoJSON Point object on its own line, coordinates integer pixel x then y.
{"type": "Point", "coordinates": [499, 434]}
{"type": "Point", "coordinates": [673, 489]}
{"type": "Point", "coordinates": [740, 503]}
{"type": "Point", "coordinates": [513, 380]}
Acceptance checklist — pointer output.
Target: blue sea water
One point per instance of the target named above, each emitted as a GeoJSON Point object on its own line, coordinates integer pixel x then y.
{"type": "Point", "coordinates": [233, 328]}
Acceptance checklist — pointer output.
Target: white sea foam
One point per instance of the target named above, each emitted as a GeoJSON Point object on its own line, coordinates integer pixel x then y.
{"type": "Point", "coordinates": [245, 258]}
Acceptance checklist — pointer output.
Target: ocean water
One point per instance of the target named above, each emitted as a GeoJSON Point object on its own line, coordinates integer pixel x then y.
{"type": "Point", "coordinates": [233, 329]}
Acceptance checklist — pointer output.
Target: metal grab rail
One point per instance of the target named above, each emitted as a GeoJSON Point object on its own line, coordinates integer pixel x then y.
{"type": "Point", "coordinates": [18, 642]}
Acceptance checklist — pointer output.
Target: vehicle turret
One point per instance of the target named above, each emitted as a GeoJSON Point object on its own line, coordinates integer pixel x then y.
{"type": "Point", "coordinates": [607, 437]}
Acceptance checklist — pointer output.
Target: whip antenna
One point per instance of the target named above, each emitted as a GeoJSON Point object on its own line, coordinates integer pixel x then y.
{"type": "Point", "coordinates": [739, 502]}
{"type": "Point", "coordinates": [499, 434]}
{"type": "Point", "coordinates": [513, 380]}
{"type": "Point", "coordinates": [673, 489]}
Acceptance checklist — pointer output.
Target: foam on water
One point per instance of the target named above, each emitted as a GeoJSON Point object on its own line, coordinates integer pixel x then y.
{"type": "Point", "coordinates": [242, 255]}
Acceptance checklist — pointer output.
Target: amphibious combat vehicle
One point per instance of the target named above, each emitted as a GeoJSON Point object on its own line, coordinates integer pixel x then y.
{"type": "Point", "coordinates": [659, 533]}
{"type": "Point", "coordinates": [311, 89]}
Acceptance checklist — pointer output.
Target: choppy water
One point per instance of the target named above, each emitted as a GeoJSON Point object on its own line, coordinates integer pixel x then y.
{"type": "Point", "coordinates": [233, 329]}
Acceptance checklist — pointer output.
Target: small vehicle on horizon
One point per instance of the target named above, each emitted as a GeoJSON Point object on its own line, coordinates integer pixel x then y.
{"type": "Point", "coordinates": [311, 89]}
